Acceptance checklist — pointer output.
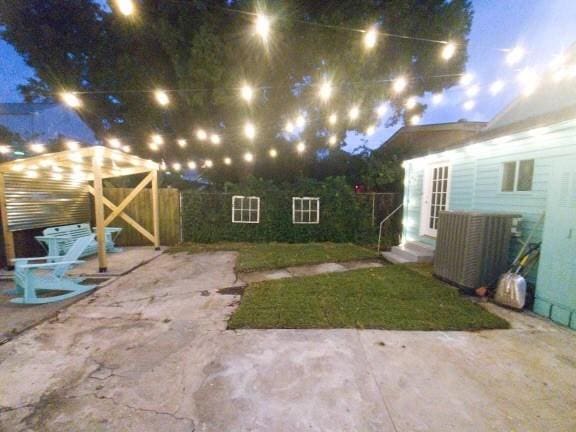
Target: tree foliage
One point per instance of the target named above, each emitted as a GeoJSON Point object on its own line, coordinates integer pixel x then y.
{"type": "Point", "coordinates": [205, 49]}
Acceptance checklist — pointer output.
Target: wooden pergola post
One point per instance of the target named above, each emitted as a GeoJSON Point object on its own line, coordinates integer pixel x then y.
{"type": "Point", "coordinates": [8, 235]}
{"type": "Point", "coordinates": [155, 214]}
{"type": "Point", "coordinates": [99, 213]}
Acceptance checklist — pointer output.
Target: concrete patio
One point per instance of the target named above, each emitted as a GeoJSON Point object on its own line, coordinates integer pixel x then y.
{"type": "Point", "coordinates": [150, 351]}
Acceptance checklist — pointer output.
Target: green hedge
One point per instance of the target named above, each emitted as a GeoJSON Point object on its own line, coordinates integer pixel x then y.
{"type": "Point", "coordinates": [344, 217]}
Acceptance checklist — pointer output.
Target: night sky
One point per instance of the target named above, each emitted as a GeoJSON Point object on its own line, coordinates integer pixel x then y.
{"type": "Point", "coordinates": [543, 27]}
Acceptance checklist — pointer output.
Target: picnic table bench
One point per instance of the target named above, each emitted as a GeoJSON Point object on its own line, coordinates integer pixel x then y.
{"type": "Point", "coordinates": [58, 240]}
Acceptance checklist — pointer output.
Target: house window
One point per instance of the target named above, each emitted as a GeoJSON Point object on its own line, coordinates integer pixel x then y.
{"type": "Point", "coordinates": [517, 176]}
{"type": "Point", "coordinates": [245, 209]}
{"type": "Point", "coordinates": [305, 210]}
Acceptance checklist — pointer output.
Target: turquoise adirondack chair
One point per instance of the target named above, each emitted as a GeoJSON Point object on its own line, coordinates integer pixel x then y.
{"type": "Point", "coordinates": [31, 276]}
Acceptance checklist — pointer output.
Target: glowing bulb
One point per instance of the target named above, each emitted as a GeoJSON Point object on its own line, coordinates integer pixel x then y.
{"type": "Point", "coordinates": [466, 79]}
{"type": "Point", "coordinates": [370, 130]}
{"type": "Point", "coordinates": [161, 97]}
{"type": "Point", "coordinates": [182, 143]}
{"type": "Point", "coordinates": [301, 147]}
{"type": "Point", "coordinates": [126, 7]}
{"type": "Point", "coordinates": [333, 140]}
{"type": "Point", "coordinates": [515, 55]}
{"type": "Point", "coordinates": [249, 131]}
{"type": "Point", "coordinates": [248, 157]}
{"type": "Point", "coordinates": [333, 119]}
{"type": "Point", "coordinates": [411, 103]}
{"type": "Point", "coordinates": [176, 166]}
{"type": "Point", "coordinates": [415, 119]}
{"type": "Point", "coordinates": [208, 163]}
{"type": "Point", "coordinates": [192, 165]}
{"type": "Point", "coordinates": [71, 99]}
{"type": "Point", "coordinates": [449, 50]}
{"type": "Point", "coordinates": [289, 127]}
{"type": "Point", "coordinates": [496, 87]}
{"type": "Point", "coordinates": [157, 139]}
{"type": "Point", "coordinates": [262, 26]}
{"type": "Point", "coordinates": [469, 105]}
{"type": "Point", "coordinates": [247, 93]}
{"type": "Point", "coordinates": [72, 145]}
{"type": "Point", "coordinates": [37, 148]}
{"type": "Point", "coordinates": [370, 38]}
{"type": "Point", "coordinates": [127, 149]}
{"type": "Point", "coordinates": [300, 121]}
{"type": "Point", "coordinates": [381, 110]}
{"type": "Point", "coordinates": [399, 84]}
{"type": "Point", "coordinates": [115, 143]}
{"type": "Point", "coordinates": [153, 146]}
{"type": "Point", "coordinates": [273, 153]}
{"type": "Point", "coordinates": [354, 113]}
{"type": "Point", "coordinates": [437, 98]}
{"type": "Point", "coordinates": [473, 91]}
{"type": "Point", "coordinates": [227, 161]}
{"type": "Point", "coordinates": [325, 91]}
{"type": "Point", "coordinates": [201, 135]}
{"type": "Point", "coordinates": [215, 139]}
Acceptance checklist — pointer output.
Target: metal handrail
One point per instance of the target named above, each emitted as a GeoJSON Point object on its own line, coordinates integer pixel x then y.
{"type": "Point", "coordinates": [384, 221]}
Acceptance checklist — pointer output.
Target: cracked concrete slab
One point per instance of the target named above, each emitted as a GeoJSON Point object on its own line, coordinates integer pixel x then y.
{"type": "Point", "coordinates": [151, 352]}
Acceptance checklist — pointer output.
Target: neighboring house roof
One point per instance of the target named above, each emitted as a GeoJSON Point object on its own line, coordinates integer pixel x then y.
{"type": "Point", "coordinates": [416, 141]}
{"type": "Point", "coordinates": [45, 121]}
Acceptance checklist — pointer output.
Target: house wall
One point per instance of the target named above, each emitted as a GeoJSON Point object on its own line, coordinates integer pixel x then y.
{"type": "Point", "coordinates": [476, 178]}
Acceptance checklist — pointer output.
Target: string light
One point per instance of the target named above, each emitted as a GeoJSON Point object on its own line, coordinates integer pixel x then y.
{"type": "Point", "coordinates": [301, 147]}
{"type": "Point", "coordinates": [437, 98]}
{"type": "Point", "coordinates": [248, 157]}
{"type": "Point", "coordinates": [515, 55]}
{"type": "Point", "coordinates": [153, 146]}
{"type": "Point", "coordinates": [215, 139]}
{"type": "Point", "coordinates": [37, 148]}
{"type": "Point", "coordinates": [182, 142]}
{"type": "Point", "coordinates": [227, 161]}
{"type": "Point", "coordinates": [161, 97]}
{"type": "Point", "coordinates": [496, 87]}
{"type": "Point", "coordinates": [370, 38]}
{"type": "Point", "coordinates": [208, 163]}
{"type": "Point", "coordinates": [201, 135]}
{"type": "Point", "coordinates": [469, 105]}
{"type": "Point", "coordinates": [415, 119]}
{"type": "Point", "coordinates": [333, 119]}
{"type": "Point", "coordinates": [126, 7]}
{"type": "Point", "coordinates": [176, 166]}
{"type": "Point", "coordinates": [127, 149]}
{"type": "Point", "coordinates": [262, 26]}
{"type": "Point", "coordinates": [381, 110]}
{"type": "Point", "coordinates": [192, 165]}
{"type": "Point", "coordinates": [289, 127]}
{"type": "Point", "coordinates": [325, 91]}
{"type": "Point", "coordinates": [399, 84]}
{"type": "Point", "coordinates": [466, 79]}
{"type": "Point", "coordinates": [370, 130]}
{"type": "Point", "coordinates": [354, 113]}
{"type": "Point", "coordinates": [411, 103]}
{"type": "Point", "coordinates": [333, 140]}
{"type": "Point", "coordinates": [473, 91]}
{"type": "Point", "coordinates": [115, 143]}
{"type": "Point", "coordinates": [448, 51]}
{"type": "Point", "coordinates": [71, 99]}
{"type": "Point", "coordinates": [247, 93]}
{"type": "Point", "coordinates": [72, 145]}
{"type": "Point", "coordinates": [249, 131]}
{"type": "Point", "coordinates": [300, 121]}
{"type": "Point", "coordinates": [273, 153]}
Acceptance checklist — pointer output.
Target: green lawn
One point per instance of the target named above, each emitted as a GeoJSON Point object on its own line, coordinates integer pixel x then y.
{"type": "Point", "coordinates": [390, 297]}
{"type": "Point", "coordinates": [264, 256]}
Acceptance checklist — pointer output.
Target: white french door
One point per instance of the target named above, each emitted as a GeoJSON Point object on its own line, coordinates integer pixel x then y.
{"type": "Point", "coordinates": [435, 196]}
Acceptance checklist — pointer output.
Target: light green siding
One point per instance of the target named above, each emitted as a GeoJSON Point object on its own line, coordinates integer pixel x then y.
{"type": "Point", "coordinates": [477, 173]}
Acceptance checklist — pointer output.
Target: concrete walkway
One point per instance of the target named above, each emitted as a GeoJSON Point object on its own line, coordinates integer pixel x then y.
{"type": "Point", "coordinates": [150, 352]}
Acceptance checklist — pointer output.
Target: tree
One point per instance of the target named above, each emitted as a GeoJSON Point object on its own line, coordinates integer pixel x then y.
{"type": "Point", "coordinates": [206, 49]}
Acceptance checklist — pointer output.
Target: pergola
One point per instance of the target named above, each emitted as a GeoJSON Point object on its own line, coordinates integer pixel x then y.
{"type": "Point", "coordinates": [83, 166]}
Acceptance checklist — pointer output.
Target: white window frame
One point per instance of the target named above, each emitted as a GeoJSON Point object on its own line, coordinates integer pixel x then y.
{"type": "Point", "coordinates": [242, 199]}
{"type": "Point", "coordinates": [516, 176]}
{"type": "Point", "coordinates": [310, 211]}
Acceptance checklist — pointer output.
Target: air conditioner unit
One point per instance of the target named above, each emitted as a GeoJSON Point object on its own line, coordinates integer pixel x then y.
{"type": "Point", "coordinates": [472, 248]}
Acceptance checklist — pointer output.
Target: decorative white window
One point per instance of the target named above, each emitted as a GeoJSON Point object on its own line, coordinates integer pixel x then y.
{"type": "Point", "coordinates": [305, 210]}
{"type": "Point", "coordinates": [517, 176]}
{"type": "Point", "coordinates": [245, 209]}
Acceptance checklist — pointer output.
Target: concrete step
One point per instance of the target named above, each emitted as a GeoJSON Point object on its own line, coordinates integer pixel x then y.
{"type": "Point", "coordinates": [394, 259]}
{"type": "Point", "coordinates": [420, 247]}
{"type": "Point", "coordinates": [413, 255]}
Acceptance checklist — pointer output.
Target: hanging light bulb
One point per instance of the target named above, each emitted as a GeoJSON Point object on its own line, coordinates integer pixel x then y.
{"type": "Point", "coordinates": [515, 55]}
{"type": "Point", "coordinates": [71, 99]}
{"type": "Point", "coordinates": [215, 139]}
{"type": "Point", "coordinates": [469, 105]}
{"type": "Point", "coordinates": [325, 91]}
{"type": "Point", "coordinates": [273, 153]}
{"type": "Point", "coordinates": [161, 97]}
{"type": "Point", "coordinates": [333, 140]}
{"type": "Point", "coordinates": [192, 165]}
{"type": "Point", "coordinates": [466, 79]}
{"type": "Point", "coordinates": [399, 84]}
{"type": "Point", "coordinates": [249, 131]}
{"type": "Point", "coordinates": [381, 110]}
{"type": "Point", "coordinates": [473, 91]}
{"type": "Point", "coordinates": [72, 145]}
{"type": "Point", "coordinates": [497, 87]}
{"type": "Point", "coordinates": [125, 7]}
{"type": "Point", "coordinates": [449, 50]}
{"type": "Point", "coordinates": [415, 119]}
{"type": "Point", "coordinates": [437, 98]}
{"type": "Point", "coordinates": [115, 143]}
{"type": "Point", "coordinates": [227, 161]}
{"type": "Point", "coordinates": [354, 113]}
{"type": "Point", "coordinates": [176, 166]}
{"type": "Point", "coordinates": [182, 142]}
{"type": "Point", "coordinates": [370, 38]}
{"type": "Point", "coordinates": [208, 163]}
{"type": "Point", "coordinates": [248, 157]}
{"type": "Point", "coordinates": [333, 119]}
{"type": "Point", "coordinates": [300, 121]}
{"type": "Point", "coordinates": [153, 146]}
{"type": "Point", "coordinates": [301, 147]}
{"type": "Point", "coordinates": [289, 127]}
{"type": "Point", "coordinates": [201, 135]}
{"type": "Point", "coordinates": [411, 103]}
{"type": "Point", "coordinates": [370, 130]}
{"type": "Point", "coordinates": [247, 93]}
{"type": "Point", "coordinates": [262, 26]}
{"type": "Point", "coordinates": [158, 139]}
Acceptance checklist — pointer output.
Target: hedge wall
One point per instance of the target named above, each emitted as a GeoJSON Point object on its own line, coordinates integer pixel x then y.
{"type": "Point", "coordinates": [344, 217]}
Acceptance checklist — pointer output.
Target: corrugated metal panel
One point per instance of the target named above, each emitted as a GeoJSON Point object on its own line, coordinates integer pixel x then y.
{"type": "Point", "coordinates": [43, 202]}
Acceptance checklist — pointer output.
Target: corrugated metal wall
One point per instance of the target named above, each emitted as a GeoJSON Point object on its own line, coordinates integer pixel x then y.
{"type": "Point", "coordinates": [43, 202]}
